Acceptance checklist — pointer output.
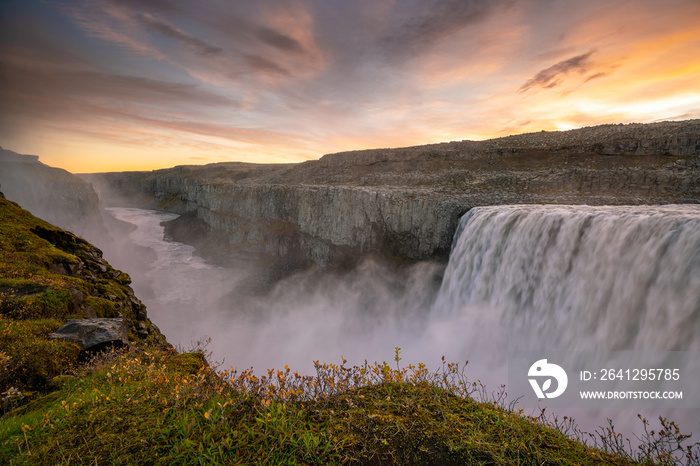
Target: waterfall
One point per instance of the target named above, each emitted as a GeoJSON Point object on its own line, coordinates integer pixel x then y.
{"type": "Point", "coordinates": [525, 278]}
{"type": "Point", "coordinates": [578, 277]}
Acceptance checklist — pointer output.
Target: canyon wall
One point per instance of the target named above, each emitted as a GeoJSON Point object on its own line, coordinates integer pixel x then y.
{"type": "Point", "coordinates": [405, 203]}
{"type": "Point", "coordinates": [321, 223]}
{"type": "Point", "coordinates": [50, 193]}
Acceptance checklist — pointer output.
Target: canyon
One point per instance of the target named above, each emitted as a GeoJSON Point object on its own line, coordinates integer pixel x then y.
{"type": "Point", "coordinates": [405, 203]}
{"type": "Point", "coordinates": [620, 275]}
{"type": "Point", "coordinates": [51, 193]}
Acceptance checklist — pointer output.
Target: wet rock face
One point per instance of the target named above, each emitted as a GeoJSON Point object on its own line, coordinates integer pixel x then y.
{"type": "Point", "coordinates": [94, 334]}
{"type": "Point", "coordinates": [406, 203]}
{"type": "Point", "coordinates": [324, 223]}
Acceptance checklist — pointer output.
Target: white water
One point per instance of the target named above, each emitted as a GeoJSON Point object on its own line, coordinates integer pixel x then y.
{"type": "Point", "coordinates": [519, 278]}
{"type": "Point", "coordinates": [170, 279]}
{"type": "Point", "coordinates": [580, 277]}
{"type": "Point", "coordinates": [361, 315]}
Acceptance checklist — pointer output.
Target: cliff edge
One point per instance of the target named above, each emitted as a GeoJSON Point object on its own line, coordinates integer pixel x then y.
{"type": "Point", "coordinates": [50, 193]}
{"type": "Point", "coordinates": [405, 203]}
{"type": "Point", "coordinates": [48, 276]}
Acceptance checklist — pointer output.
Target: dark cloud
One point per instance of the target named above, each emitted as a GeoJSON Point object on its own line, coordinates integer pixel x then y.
{"type": "Point", "coordinates": [596, 76]}
{"type": "Point", "coordinates": [264, 66]}
{"type": "Point", "coordinates": [157, 89]}
{"type": "Point", "coordinates": [279, 41]}
{"type": "Point", "coordinates": [172, 32]}
{"type": "Point", "coordinates": [58, 92]}
{"type": "Point", "coordinates": [441, 19]}
{"type": "Point", "coordinates": [163, 6]}
{"type": "Point", "coordinates": [551, 77]}
{"type": "Point", "coordinates": [46, 81]}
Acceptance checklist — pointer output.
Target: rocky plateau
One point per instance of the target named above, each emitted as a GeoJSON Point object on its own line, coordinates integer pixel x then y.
{"type": "Point", "coordinates": [405, 203]}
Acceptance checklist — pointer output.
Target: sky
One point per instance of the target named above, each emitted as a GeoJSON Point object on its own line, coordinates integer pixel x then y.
{"type": "Point", "coordinates": [112, 85]}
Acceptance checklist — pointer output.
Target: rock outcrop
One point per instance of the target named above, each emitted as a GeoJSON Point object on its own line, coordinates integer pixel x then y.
{"type": "Point", "coordinates": [406, 202]}
{"type": "Point", "coordinates": [50, 273]}
{"type": "Point", "coordinates": [94, 334]}
{"type": "Point", "coordinates": [48, 278]}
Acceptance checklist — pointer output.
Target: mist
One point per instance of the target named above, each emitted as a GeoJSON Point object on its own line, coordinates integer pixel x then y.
{"type": "Point", "coordinates": [363, 313]}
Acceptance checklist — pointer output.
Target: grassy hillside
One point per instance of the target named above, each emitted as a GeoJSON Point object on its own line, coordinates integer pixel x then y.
{"type": "Point", "coordinates": [149, 404]}
{"type": "Point", "coordinates": [46, 276]}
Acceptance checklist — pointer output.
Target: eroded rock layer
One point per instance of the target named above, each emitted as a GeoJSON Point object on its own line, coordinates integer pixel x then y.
{"type": "Point", "coordinates": [406, 202]}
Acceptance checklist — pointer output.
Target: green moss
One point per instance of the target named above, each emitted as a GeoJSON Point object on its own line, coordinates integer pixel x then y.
{"type": "Point", "coordinates": [31, 359]}
{"type": "Point", "coordinates": [110, 287]}
{"type": "Point", "coordinates": [53, 302]}
{"type": "Point", "coordinates": [34, 301]}
{"type": "Point", "coordinates": [189, 363]}
{"type": "Point", "coordinates": [161, 407]}
{"type": "Point", "coordinates": [423, 424]}
{"type": "Point", "coordinates": [102, 307]}
{"type": "Point", "coordinates": [123, 278]}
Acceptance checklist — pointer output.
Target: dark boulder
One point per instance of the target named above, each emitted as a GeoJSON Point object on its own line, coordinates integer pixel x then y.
{"type": "Point", "coordinates": [94, 334]}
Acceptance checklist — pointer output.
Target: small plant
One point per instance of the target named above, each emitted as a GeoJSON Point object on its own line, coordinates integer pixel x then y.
{"type": "Point", "coordinates": [11, 398]}
{"type": "Point", "coordinates": [667, 446]}
{"type": "Point", "coordinates": [181, 411]}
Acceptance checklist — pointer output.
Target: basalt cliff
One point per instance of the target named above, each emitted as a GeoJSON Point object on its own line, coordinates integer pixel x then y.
{"type": "Point", "coordinates": [53, 194]}
{"type": "Point", "coordinates": [405, 203]}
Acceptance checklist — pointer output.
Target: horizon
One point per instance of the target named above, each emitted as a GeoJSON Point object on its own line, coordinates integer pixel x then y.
{"type": "Point", "coordinates": [132, 86]}
{"type": "Point", "coordinates": [347, 151]}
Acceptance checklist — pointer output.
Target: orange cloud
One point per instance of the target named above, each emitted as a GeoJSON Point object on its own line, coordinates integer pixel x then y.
{"type": "Point", "coordinates": [149, 84]}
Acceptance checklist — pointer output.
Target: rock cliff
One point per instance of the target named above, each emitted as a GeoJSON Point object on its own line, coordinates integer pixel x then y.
{"type": "Point", "coordinates": [46, 270]}
{"type": "Point", "coordinates": [52, 194]}
{"type": "Point", "coordinates": [406, 202]}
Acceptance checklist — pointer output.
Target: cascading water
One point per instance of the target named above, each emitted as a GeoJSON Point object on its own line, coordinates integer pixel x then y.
{"type": "Point", "coordinates": [579, 277]}
{"type": "Point", "coordinates": [576, 278]}
{"type": "Point", "coordinates": [519, 278]}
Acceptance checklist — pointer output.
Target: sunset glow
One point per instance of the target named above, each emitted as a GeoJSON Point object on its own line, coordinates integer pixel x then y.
{"type": "Point", "coordinates": [113, 85]}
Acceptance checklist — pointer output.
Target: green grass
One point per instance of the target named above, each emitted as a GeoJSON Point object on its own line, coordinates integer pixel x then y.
{"type": "Point", "coordinates": [39, 291]}
{"type": "Point", "coordinates": [29, 359]}
{"type": "Point", "coordinates": [161, 407]}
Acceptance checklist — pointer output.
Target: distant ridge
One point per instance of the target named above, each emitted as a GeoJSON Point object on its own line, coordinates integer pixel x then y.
{"type": "Point", "coordinates": [10, 156]}
{"type": "Point", "coordinates": [51, 193]}
{"type": "Point", "coordinates": [406, 202]}
{"type": "Point", "coordinates": [661, 138]}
